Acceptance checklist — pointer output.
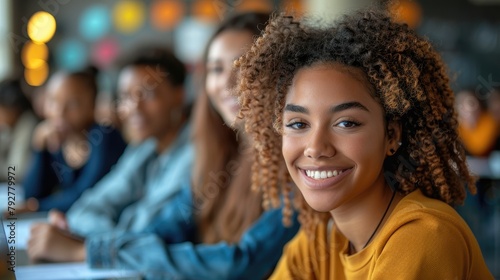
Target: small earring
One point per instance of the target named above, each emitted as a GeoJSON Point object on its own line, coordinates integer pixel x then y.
{"type": "Point", "coordinates": [399, 143]}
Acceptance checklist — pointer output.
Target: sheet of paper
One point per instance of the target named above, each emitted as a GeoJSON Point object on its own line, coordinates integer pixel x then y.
{"type": "Point", "coordinates": [68, 271]}
{"type": "Point", "coordinates": [22, 229]}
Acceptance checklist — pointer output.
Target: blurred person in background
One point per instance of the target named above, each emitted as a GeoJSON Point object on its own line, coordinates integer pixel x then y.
{"type": "Point", "coordinates": [476, 126]}
{"type": "Point", "coordinates": [17, 123]}
{"type": "Point", "coordinates": [216, 227]}
{"type": "Point", "coordinates": [159, 158]}
{"type": "Point", "coordinates": [478, 131]}
{"type": "Point", "coordinates": [72, 152]}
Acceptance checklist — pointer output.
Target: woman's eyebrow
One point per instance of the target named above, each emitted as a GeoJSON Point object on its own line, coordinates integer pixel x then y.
{"type": "Point", "coordinates": [335, 109]}
{"type": "Point", "coordinates": [348, 105]}
{"type": "Point", "coordinates": [296, 109]}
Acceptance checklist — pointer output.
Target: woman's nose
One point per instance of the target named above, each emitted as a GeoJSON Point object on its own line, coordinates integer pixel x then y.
{"type": "Point", "coordinates": [319, 144]}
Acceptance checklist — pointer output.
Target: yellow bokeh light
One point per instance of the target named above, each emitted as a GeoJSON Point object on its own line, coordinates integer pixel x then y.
{"type": "Point", "coordinates": [128, 16]}
{"type": "Point", "coordinates": [294, 7]}
{"type": "Point", "coordinates": [34, 55]}
{"type": "Point", "coordinates": [36, 76]}
{"type": "Point", "coordinates": [255, 5]}
{"type": "Point", "coordinates": [406, 11]}
{"type": "Point", "coordinates": [208, 10]}
{"type": "Point", "coordinates": [41, 27]}
{"type": "Point", "coordinates": [166, 14]}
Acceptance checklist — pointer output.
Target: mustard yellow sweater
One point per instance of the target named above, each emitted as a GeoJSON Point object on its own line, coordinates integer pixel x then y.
{"type": "Point", "coordinates": [424, 238]}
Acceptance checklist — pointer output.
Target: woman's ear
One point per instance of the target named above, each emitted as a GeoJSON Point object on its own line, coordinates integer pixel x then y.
{"type": "Point", "coordinates": [394, 135]}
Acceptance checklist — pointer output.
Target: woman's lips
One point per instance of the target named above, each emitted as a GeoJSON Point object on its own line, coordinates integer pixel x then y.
{"type": "Point", "coordinates": [323, 183]}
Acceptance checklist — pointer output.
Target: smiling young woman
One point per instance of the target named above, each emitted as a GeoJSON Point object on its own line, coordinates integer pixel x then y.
{"type": "Point", "coordinates": [362, 114]}
{"type": "Point", "coordinates": [333, 126]}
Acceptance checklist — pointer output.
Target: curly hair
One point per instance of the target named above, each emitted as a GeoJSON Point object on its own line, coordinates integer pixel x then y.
{"type": "Point", "coordinates": [403, 72]}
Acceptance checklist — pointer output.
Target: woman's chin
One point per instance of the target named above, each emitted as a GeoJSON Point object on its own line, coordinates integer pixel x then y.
{"type": "Point", "coordinates": [320, 202]}
{"type": "Point", "coordinates": [232, 120]}
{"type": "Point", "coordinates": [237, 124]}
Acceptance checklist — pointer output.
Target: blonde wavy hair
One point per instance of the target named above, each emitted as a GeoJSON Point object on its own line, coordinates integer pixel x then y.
{"type": "Point", "coordinates": [406, 76]}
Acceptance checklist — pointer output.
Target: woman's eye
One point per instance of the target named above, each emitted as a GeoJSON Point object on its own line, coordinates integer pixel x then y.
{"type": "Point", "coordinates": [347, 124]}
{"type": "Point", "coordinates": [215, 70]}
{"type": "Point", "coordinates": [296, 125]}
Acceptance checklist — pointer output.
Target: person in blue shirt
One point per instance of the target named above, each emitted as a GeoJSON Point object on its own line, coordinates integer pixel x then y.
{"type": "Point", "coordinates": [150, 172]}
{"type": "Point", "coordinates": [72, 151]}
{"type": "Point", "coordinates": [216, 227]}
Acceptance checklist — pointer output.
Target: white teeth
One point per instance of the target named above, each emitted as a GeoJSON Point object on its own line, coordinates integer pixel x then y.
{"type": "Point", "coordinates": [322, 174]}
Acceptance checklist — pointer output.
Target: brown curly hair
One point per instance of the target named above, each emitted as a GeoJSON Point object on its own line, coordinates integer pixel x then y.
{"type": "Point", "coordinates": [402, 70]}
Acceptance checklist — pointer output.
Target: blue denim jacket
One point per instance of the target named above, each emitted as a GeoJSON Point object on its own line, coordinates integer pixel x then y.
{"type": "Point", "coordinates": [166, 251]}
{"type": "Point", "coordinates": [136, 189]}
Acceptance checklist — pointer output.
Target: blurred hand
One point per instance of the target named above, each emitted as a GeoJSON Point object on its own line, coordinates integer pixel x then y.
{"type": "Point", "coordinates": [48, 136]}
{"type": "Point", "coordinates": [50, 243]}
{"type": "Point", "coordinates": [58, 219]}
{"type": "Point", "coordinates": [30, 206]}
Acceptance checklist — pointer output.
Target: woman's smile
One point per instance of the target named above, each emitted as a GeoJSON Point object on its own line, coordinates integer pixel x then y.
{"type": "Point", "coordinates": [323, 178]}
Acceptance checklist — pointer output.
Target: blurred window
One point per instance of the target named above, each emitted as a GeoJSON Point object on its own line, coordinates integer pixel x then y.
{"type": "Point", "coordinates": [5, 32]}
